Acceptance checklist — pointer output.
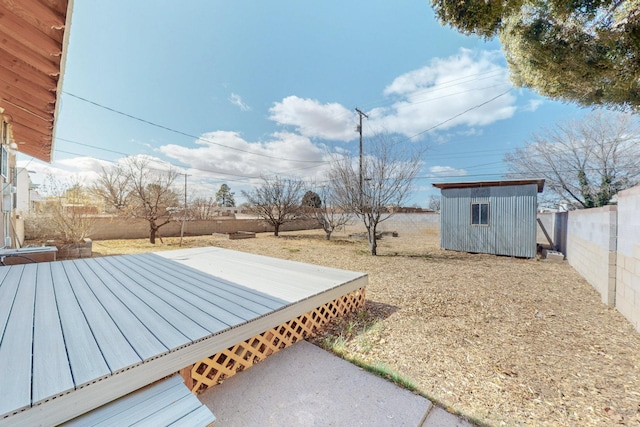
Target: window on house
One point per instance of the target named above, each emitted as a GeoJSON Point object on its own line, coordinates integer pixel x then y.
{"type": "Point", "coordinates": [479, 213]}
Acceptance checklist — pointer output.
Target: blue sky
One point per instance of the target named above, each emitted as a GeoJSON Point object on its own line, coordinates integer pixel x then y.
{"type": "Point", "coordinates": [236, 90]}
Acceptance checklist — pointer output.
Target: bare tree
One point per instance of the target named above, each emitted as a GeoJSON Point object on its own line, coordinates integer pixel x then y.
{"type": "Point", "coordinates": [112, 186]}
{"type": "Point", "coordinates": [329, 214]}
{"type": "Point", "coordinates": [434, 203]}
{"type": "Point", "coordinates": [384, 181]}
{"type": "Point", "coordinates": [202, 208]}
{"type": "Point", "coordinates": [585, 162]}
{"type": "Point", "coordinates": [277, 201]}
{"type": "Point", "coordinates": [68, 214]}
{"type": "Point", "coordinates": [143, 192]}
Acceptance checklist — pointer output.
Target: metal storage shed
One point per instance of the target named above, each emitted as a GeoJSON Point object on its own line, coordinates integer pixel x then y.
{"type": "Point", "coordinates": [493, 217]}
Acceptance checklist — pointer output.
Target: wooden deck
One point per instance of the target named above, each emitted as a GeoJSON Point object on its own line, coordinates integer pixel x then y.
{"type": "Point", "coordinates": [164, 403]}
{"type": "Point", "coordinates": [77, 334]}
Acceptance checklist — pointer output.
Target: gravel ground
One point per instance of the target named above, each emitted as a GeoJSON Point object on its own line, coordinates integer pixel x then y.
{"type": "Point", "coordinates": [501, 340]}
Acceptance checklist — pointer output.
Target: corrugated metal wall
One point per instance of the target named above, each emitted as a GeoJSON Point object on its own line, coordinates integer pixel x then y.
{"type": "Point", "coordinates": [512, 220]}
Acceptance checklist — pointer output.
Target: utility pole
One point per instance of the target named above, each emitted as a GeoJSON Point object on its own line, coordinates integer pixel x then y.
{"type": "Point", "coordinates": [359, 129]}
{"type": "Point", "coordinates": [184, 211]}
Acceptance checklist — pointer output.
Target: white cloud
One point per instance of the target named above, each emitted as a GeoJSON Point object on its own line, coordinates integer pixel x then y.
{"type": "Point", "coordinates": [82, 164]}
{"type": "Point", "coordinates": [454, 96]}
{"type": "Point", "coordinates": [313, 119]}
{"type": "Point", "coordinates": [447, 171]}
{"type": "Point", "coordinates": [533, 105]}
{"type": "Point", "coordinates": [236, 100]}
{"type": "Point", "coordinates": [77, 169]}
{"type": "Point", "coordinates": [226, 155]}
{"type": "Point", "coordinates": [468, 89]}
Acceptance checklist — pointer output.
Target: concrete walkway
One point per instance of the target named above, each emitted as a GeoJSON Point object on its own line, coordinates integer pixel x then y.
{"type": "Point", "coordinates": [304, 385]}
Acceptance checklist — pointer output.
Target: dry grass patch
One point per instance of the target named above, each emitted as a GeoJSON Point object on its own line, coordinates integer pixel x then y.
{"type": "Point", "coordinates": [505, 341]}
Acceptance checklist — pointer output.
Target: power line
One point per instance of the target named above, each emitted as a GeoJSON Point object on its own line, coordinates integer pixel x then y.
{"type": "Point", "coordinates": [458, 115]}
{"type": "Point", "coordinates": [443, 85]}
{"type": "Point", "coordinates": [440, 86]}
{"type": "Point", "coordinates": [410, 104]}
{"type": "Point", "coordinates": [246, 177]}
{"type": "Point", "coordinates": [179, 132]}
{"type": "Point", "coordinates": [240, 177]}
{"type": "Point", "coordinates": [90, 146]}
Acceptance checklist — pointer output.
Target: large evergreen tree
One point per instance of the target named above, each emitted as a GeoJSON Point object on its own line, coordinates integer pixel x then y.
{"type": "Point", "coordinates": [224, 196]}
{"type": "Point", "coordinates": [586, 52]}
{"type": "Point", "coordinates": [311, 199]}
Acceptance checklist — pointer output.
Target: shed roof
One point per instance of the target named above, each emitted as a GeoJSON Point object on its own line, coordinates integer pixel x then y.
{"type": "Point", "coordinates": [32, 56]}
{"type": "Point", "coordinates": [502, 183]}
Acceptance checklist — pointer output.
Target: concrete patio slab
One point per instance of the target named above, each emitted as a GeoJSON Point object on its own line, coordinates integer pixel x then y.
{"type": "Point", "coordinates": [304, 385]}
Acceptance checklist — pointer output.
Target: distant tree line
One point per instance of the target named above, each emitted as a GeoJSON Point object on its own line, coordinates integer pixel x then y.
{"type": "Point", "coordinates": [369, 187]}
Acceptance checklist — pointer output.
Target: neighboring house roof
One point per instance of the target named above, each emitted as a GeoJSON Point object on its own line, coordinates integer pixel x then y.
{"type": "Point", "coordinates": [33, 40]}
{"type": "Point", "coordinates": [503, 183]}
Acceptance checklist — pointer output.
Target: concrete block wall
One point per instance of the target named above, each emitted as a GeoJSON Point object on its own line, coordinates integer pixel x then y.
{"type": "Point", "coordinates": [555, 223]}
{"type": "Point", "coordinates": [107, 228]}
{"type": "Point", "coordinates": [628, 259]}
{"type": "Point", "coordinates": [591, 248]}
{"type": "Point", "coordinates": [409, 222]}
{"type": "Point", "coordinates": [548, 220]}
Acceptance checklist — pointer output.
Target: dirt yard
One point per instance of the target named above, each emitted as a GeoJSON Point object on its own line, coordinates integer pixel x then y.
{"type": "Point", "coordinates": [503, 341]}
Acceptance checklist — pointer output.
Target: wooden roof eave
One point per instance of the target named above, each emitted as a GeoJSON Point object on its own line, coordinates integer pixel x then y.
{"type": "Point", "coordinates": [23, 69]}
{"type": "Point", "coordinates": [63, 63]}
{"type": "Point", "coordinates": [24, 118]}
{"type": "Point", "coordinates": [38, 151]}
{"type": "Point", "coordinates": [44, 64]}
{"type": "Point", "coordinates": [30, 36]}
{"type": "Point", "coordinates": [21, 100]}
{"type": "Point", "coordinates": [35, 37]}
{"type": "Point", "coordinates": [45, 18]}
{"type": "Point", "coordinates": [28, 87]}
{"type": "Point", "coordinates": [34, 131]}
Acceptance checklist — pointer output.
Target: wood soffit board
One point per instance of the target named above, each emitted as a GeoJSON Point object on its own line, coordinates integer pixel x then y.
{"type": "Point", "coordinates": [33, 36]}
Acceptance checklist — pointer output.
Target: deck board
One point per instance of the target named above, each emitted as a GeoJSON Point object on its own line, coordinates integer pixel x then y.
{"type": "Point", "coordinates": [209, 282]}
{"type": "Point", "coordinates": [113, 344]}
{"type": "Point", "coordinates": [205, 294]}
{"type": "Point", "coordinates": [51, 370]}
{"type": "Point", "coordinates": [300, 281]}
{"type": "Point", "coordinates": [141, 305]}
{"type": "Point", "coordinates": [174, 300]}
{"type": "Point", "coordinates": [198, 417]}
{"type": "Point", "coordinates": [15, 352]}
{"type": "Point", "coordinates": [172, 411]}
{"type": "Point", "coordinates": [161, 404]}
{"type": "Point", "coordinates": [85, 357]}
{"type": "Point", "coordinates": [143, 342]}
{"type": "Point", "coordinates": [8, 290]}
